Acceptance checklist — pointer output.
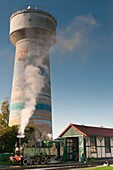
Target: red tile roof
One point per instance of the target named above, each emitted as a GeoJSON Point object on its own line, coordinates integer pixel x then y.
{"type": "Point", "coordinates": [90, 130]}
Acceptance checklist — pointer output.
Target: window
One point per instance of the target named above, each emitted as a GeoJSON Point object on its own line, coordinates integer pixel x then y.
{"type": "Point", "coordinates": [107, 145]}
{"type": "Point", "coordinates": [93, 144]}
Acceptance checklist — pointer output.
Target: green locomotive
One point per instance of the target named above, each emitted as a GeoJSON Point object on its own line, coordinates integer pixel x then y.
{"type": "Point", "coordinates": [42, 153]}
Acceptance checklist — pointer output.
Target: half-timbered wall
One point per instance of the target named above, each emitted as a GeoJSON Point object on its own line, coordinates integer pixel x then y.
{"type": "Point", "coordinates": [100, 148]}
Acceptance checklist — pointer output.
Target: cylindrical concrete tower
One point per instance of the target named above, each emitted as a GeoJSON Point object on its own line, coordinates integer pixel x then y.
{"type": "Point", "coordinates": [33, 32]}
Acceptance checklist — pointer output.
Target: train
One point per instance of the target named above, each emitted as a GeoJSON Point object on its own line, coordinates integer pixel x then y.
{"type": "Point", "coordinates": [43, 152]}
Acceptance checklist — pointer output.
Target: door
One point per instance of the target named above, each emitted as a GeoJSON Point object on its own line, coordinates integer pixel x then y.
{"type": "Point", "coordinates": [72, 148]}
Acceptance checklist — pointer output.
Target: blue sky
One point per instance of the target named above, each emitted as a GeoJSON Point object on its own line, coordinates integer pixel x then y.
{"type": "Point", "coordinates": [81, 61]}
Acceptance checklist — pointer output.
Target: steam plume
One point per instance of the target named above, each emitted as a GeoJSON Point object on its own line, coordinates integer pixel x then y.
{"type": "Point", "coordinates": [33, 83]}
{"type": "Point", "coordinates": [77, 34]}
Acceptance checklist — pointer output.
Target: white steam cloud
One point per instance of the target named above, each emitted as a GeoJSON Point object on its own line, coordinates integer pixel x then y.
{"type": "Point", "coordinates": [33, 82]}
{"type": "Point", "coordinates": [77, 35]}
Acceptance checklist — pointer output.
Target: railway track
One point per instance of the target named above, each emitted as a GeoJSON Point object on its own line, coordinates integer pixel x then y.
{"type": "Point", "coordinates": [56, 166]}
{"type": "Point", "coordinates": [61, 166]}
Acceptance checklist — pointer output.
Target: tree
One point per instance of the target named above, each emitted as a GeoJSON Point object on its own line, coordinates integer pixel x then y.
{"type": "Point", "coordinates": [8, 135]}
{"type": "Point", "coordinates": [8, 138]}
{"type": "Point", "coordinates": [4, 115]}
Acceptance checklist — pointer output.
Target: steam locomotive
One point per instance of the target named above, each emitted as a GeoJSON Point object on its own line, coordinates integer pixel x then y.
{"type": "Point", "coordinates": [42, 153]}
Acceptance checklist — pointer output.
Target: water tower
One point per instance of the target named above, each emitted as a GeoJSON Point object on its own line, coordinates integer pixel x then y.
{"type": "Point", "coordinates": [33, 32]}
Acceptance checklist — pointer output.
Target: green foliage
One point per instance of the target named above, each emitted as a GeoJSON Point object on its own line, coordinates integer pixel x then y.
{"type": "Point", "coordinates": [100, 168]}
{"type": "Point", "coordinates": [8, 139]}
{"type": "Point", "coordinates": [8, 135]}
{"type": "Point", "coordinates": [4, 115]}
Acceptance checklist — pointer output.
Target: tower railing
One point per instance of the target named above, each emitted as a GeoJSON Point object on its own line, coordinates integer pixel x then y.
{"type": "Point", "coordinates": [37, 8]}
{"type": "Point", "coordinates": [43, 9]}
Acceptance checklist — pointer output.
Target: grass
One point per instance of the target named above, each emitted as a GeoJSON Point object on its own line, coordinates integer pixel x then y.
{"type": "Point", "coordinates": [100, 168]}
{"type": "Point", "coordinates": [5, 163]}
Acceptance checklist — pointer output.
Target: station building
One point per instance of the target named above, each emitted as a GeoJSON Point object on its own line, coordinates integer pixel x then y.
{"type": "Point", "coordinates": [90, 142]}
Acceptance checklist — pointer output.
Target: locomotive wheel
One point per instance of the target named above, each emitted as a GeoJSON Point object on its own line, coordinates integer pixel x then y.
{"type": "Point", "coordinates": [36, 160]}
{"type": "Point", "coordinates": [48, 159]}
{"type": "Point", "coordinates": [25, 161]}
{"type": "Point", "coordinates": [42, 159]}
